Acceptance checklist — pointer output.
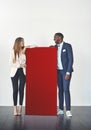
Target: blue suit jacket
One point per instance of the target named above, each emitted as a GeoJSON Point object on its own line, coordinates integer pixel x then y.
{"type": "Point", "coordinates": [67, 57]}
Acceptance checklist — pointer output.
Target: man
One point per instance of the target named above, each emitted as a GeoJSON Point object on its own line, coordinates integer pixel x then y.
{"type": "Point", "coordinates": [64, 72]}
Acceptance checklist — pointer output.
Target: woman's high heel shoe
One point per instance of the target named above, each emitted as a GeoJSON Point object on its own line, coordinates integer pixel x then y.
{"type": "Point", "coordinates": [20, 111]}
{"type": "Point", "coordinates": [15, 111]}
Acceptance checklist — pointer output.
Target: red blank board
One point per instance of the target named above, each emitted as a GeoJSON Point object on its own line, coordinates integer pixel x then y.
{"type": "Point", "coordinates": [41, 81]}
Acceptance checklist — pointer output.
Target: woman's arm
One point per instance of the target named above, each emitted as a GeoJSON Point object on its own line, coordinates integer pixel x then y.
{"type": "Point", "coordinates": [29, 46]}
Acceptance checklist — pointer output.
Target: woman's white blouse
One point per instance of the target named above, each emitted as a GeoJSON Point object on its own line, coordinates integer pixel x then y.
{"type": "Point", "coordinates": [14, 66]}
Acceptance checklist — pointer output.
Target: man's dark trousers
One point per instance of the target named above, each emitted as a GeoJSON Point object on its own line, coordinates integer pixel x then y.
{"type": "Point", "coordinates": [64, 91]}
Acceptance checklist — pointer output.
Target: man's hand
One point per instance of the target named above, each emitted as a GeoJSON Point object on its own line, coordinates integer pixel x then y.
{"type": "Point", "coordinates": [51, 46]}
{"type": "Point", "coordinates": [67, 76]}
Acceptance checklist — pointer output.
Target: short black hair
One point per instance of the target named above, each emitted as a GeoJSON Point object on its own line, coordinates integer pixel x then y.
{"type": "Point", "coordinates": [60, 35]}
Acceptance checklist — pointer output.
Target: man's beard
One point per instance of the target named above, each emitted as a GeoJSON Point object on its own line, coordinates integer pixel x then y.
{"type": "Point", "coordinates": [57, 42]}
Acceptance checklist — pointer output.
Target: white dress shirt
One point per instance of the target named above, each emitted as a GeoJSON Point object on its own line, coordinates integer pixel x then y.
{"type": "Point", "coordinates": [59, 63]}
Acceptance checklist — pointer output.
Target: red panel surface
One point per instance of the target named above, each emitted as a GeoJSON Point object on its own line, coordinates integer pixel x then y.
{"type": "Point", "coordinates": [41, 81]}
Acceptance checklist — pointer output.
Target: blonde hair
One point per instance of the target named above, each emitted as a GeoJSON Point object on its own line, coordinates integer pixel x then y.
{"type": "Point", "coordinates": [16, 46]}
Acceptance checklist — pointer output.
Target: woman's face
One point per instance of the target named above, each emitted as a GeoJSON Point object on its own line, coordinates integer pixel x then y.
{"type": "Point", "coordinates": [21, 45]}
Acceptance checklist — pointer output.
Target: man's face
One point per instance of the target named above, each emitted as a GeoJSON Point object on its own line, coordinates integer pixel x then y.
{"type": "Point", "coordinates": [57, 39]}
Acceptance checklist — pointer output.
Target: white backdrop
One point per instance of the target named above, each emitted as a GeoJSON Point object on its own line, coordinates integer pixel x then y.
{"type": "Point", "coordinates": [37, 21]}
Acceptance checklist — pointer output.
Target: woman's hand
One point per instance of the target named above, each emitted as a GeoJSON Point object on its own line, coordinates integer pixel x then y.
{"type": "Point", "coordinates": [22, 65]}
{"type": "Point", "coordinates": [14, 60]}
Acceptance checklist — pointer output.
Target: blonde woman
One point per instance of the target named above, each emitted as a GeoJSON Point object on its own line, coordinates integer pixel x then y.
{"type": "Point", "coordinates": [17, 74]}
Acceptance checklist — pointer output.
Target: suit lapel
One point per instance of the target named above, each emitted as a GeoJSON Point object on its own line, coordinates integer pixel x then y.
{"type": "Point", "coordinates": [63, 47]}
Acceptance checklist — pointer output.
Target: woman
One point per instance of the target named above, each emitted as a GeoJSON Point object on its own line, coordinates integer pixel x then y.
{"type": "Point", "coordinates": [18, 65]}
